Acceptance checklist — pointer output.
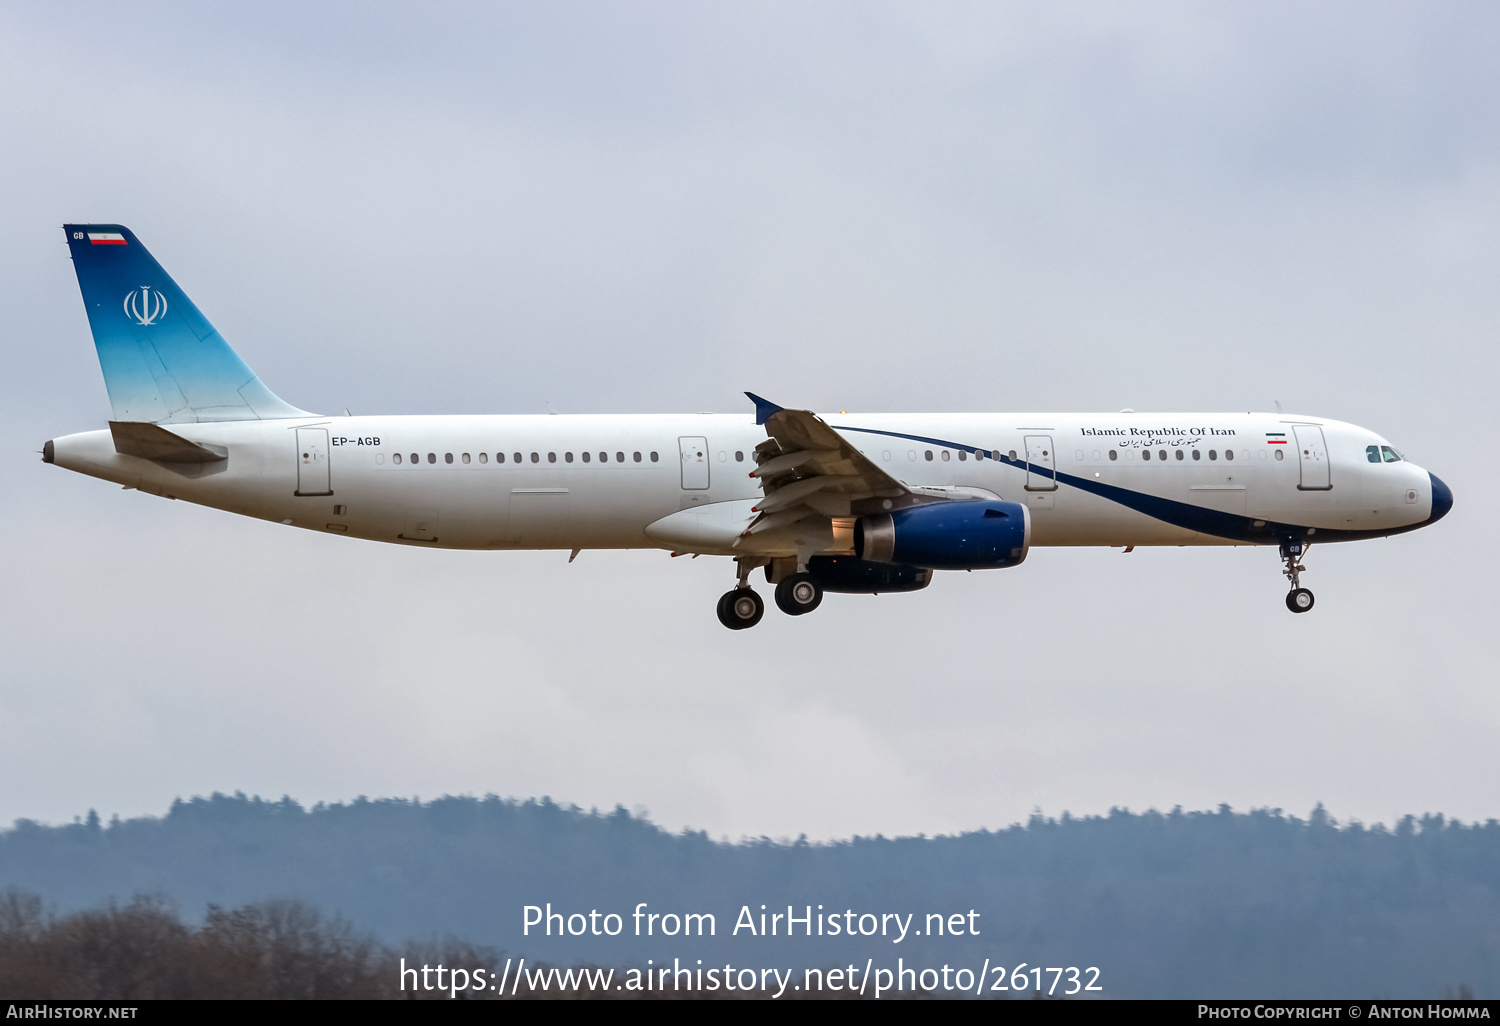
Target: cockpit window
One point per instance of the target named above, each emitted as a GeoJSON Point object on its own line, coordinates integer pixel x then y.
{"type": "Point", "coordinates": [1372, 453]}
{"type": "Point", "coordinates": [1391, 455]}
{"type": "Point", "coordinates": [1382, 454]}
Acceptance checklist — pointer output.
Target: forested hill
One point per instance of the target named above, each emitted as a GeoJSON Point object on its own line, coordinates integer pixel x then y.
{"type": "Point", "coordinates": [1178, 904]}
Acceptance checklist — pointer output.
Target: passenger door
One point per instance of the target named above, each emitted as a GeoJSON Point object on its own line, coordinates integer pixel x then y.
{"type": "Point", "coordinates": [312, 462]}
{"type": "Point", "coordinates": [1312, 455]}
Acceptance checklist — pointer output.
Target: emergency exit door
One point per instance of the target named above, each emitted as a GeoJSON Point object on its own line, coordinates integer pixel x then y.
{"type": "Point", "coordinates": [312, 462]}
{"type": "Point", "coordinates": [694, 452]}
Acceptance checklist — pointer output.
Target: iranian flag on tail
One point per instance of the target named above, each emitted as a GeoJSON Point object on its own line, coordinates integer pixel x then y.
{"type": "Point", "coordinates": [1275, 438]}
{"type": "Point", "coordinates": [106, 239]}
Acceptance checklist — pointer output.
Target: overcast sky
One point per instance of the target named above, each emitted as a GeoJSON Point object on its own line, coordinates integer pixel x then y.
{"type": "Point", "coordinates": [651, 207]}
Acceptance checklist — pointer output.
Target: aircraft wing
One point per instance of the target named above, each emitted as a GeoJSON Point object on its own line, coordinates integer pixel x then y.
{"type": "Point", "coordinates": [806, 468]}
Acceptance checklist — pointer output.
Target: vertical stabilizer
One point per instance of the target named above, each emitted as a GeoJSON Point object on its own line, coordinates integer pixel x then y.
{"type": "Point", "coordinates": [163, 361]}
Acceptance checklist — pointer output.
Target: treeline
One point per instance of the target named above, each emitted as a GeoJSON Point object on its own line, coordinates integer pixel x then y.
{"type": "Point", "coordinates": [142, 950]}
{"type": "Point", "coordinates": [276, 950]}
{"type": "Point", "coordinates": [1176, 904]}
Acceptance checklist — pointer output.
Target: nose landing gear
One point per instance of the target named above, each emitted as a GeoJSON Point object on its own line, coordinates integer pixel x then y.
{"type": "Point", "coordinates": [1299, 599]}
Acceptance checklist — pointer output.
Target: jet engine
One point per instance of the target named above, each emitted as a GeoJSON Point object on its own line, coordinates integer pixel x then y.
{"type": "Point", "coordinates": [969, 535]}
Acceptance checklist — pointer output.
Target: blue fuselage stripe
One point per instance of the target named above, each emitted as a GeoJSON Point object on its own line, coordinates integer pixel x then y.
{"type": "Point", "coordinates": [1179, 514]}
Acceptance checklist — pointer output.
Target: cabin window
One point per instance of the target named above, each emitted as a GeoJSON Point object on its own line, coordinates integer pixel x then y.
{"type": "Point", "coordinates": [1279, 455]}
{"type": "Point", "coordinates": [536, 457]}
{"type": "Point", "coordinates": [619, 457]}
{"type": "Point", "coordinates": [447, 457]}
{"type": "Point", "coordinates": [1197, 454]}
{"type": "Point", "coordinates": [1391, 455]}
{"type": "Point", "coordinates": [396, 458]}
{"type": "Point", "coordinates": [586, 456]}
{"type": "Point", "coordinates": [911, 454]}
{"type": "Point", "coordinates": [1114, 454]}
{"type": "Point", "coordinates": [484, 457]}
{"type": "Point", "coordinates": [1213, 454]}
{"type": "Point", "coordinates": [723, 456]}
{"type": "Point", "coordinates": [1180, 455]}
{"type": "Point", "coordinates": [465, 457]}
{"type": "Point", "coordinates": [655, 457]}
{"type": "Point", "coordinates": [1161, 454]}
{"type": "Point", "coordinates": [432, 457]}
{"type": "Point", "coordinates": [1229, 454]}
{"type": "Point", "coordinates": [1078, 456]}
{"type": "Point", "coordinates": [604, 457]}
{"type": "Point", "coordinates": [637, 457]}
{"type": "Point", "coordinates": [1013, 454]}
{"type": "Point", "coordinates": [945, 455]}
{"type": "Point", "coordinates": [739, 456]}
{"type": "Point", "coordinates": [552, 457]}
{"type": "Point", "coordinates": [567, 457]}
{"type": "Point", "coordinates": [929, 455]}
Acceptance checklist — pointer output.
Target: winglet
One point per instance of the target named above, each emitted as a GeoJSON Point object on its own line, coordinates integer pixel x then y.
{"type": "Point", "coordinates": [763, 408]}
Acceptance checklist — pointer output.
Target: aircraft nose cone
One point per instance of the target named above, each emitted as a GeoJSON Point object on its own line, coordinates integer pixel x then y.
{"type": "Point", "coordinates": [1442, 499]}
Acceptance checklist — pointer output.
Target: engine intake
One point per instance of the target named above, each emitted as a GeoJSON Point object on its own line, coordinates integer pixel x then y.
{"type": "Point", "coordinates": [973, 535]}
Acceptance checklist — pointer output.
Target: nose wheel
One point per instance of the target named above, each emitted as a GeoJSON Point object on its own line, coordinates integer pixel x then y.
{"type": "Point", "coordinates": [1299, 599]}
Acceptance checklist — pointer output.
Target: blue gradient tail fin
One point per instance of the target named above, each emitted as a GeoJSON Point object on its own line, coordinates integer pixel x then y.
{"type": "Point", "coordinates": [163, 361]}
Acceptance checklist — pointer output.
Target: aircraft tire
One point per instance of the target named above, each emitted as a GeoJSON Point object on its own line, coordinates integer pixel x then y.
{"type": "Point", "coordinates": [1299, 600]}
{"type": "Point", "coordinates": [740, 608]}
{"type": "Point", "coordinates": [798, 594]}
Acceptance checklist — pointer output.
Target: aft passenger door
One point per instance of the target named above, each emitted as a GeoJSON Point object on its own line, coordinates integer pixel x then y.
{"type": "Point", "coordinates": [312, 462]}
{"type": "Point", "coordinates": [1312, 455]}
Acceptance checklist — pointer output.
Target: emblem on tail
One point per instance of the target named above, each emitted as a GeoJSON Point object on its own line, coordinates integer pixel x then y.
{"type": "Point", "coordinates": [144, 306]}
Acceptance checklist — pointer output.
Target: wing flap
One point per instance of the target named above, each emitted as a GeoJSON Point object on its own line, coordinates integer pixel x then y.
{"type": "Point", "coordinates": [807, 469]}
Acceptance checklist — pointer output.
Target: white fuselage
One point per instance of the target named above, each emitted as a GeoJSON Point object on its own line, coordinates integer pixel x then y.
{"type": "Point", "coordinates": [682, 482]}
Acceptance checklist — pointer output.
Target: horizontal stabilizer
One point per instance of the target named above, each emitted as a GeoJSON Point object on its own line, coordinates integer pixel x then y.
{"type": "Point", "coordinates": [153, 442]}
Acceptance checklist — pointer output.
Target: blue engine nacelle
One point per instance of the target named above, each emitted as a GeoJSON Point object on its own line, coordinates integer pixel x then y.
{"type": "Point", "coordinates": [967, 535]}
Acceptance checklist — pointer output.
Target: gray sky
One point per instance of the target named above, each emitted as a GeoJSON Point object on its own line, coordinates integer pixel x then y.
{"type": "Point", "coordinates": [407, 208]}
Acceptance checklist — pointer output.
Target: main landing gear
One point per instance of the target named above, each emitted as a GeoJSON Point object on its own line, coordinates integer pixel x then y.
{"type": "Point", "coordinates": [796, 594]}
{"type": "Point", "coordinates": [1299, 599]}
{"type": "Point", "coordinates": [741, 608]}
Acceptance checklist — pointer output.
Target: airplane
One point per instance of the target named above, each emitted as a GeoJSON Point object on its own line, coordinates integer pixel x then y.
{"type": "Point", "coordinates": [850, 503]}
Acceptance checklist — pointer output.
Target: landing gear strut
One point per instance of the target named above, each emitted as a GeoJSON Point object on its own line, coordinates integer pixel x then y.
{"type": "Point", "coordinates": [1299, 599]}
